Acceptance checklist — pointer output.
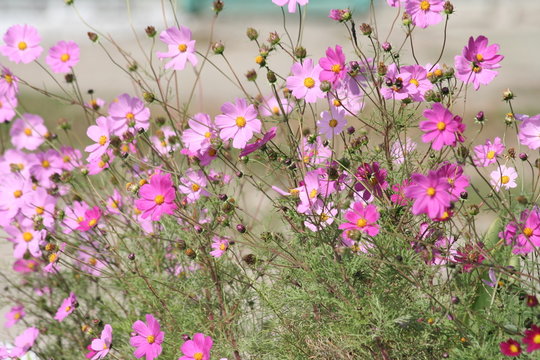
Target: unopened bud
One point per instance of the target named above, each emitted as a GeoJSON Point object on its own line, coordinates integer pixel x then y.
{"type": "Point", "coordinates": [366, 29]}
{"type": "Point", "coordinates": [273, 38]}
{"type": "Point", "coordinates": [406, 19]}
{"type": "Point", "coordinates": [386, 46]}
{"type": "Point", "coordinates": [218, 6]}
{"type": "Point", "coordinates": [300, 52]}
{"type": "Point", "coordinates": [381, 69]}
{"type": "Point", "coordinates": [150, 31]}
{"type": "Point", "coordinates": [218, 48]}
{"type": "Point", "coordinates": [448, 8]}
{"type": "Point", "coordinates": [92, 36]}
{"type": "Point", "coordinates": [508, 95]}
{"type": "Point", "coordinates": [271, 76]}
{"type": "Point", "coordinates": [149, 97]}
{"type": "Point", "coordinates": [252, 34]}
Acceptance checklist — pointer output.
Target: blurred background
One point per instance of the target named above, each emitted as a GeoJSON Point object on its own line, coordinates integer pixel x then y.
{"type": "Point", "coordinates": [512, 24]}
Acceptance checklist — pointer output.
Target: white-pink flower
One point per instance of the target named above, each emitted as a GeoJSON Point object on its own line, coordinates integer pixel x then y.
{"type": "Point", "coordinates": [504, 176]}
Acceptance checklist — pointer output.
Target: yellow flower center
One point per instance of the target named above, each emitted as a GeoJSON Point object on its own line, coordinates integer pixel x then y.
{"type": "Point", "coordinates": [333, 123]}
{"type": "Point", "coordinates": [431, 191]}
{"type": "Point", "coordinates": [27, 236]}
{"type": "Point", "coordinates": [68, 308]}
{"type": "Point", "coordinates": [476, 68]}
{"type": "Point", "coordinates": [337, 103]}
{"type": "Point", "coordinates": [491, 154]}
{"type": "Point", "coordinates": [159, 199]}
{"type": "Point", "coordinates": [527, 231]}
{"type": "Point", "coordinates": [92, 222]}
{"type": "Point", "coordinates": [536, 339]}
{"type": "Point", "coordinates": [40, 210]}
{"type": "Point", "coordinates": [66, 158]}
{"type": "Point", "coordinates": [17, 193]}
{"type": "Point", "coordinates": [137, 211]}
{"type": "Point", "coordinates": [114, 204]}
{"type": "Point", "coordinates": [101, 164]}
{"type": "Point", "coordinates": [259, 59]}
{"type": "Point", "coordinates": [441, 125]}
{"type": "Point", "coordinates": [313, 193]}
{"type": "Point", "coordinates": [195, 187]}
{"type": "Point", "coordinates": [182, 47]}
{"type": "Point", "coordinates": [309, 82]}
{"type": "Point", "coordinates": [336, 68]}
{"type": "Point", "coordinates": [53, 257]}
{"type": "Point", "coordinates": [361, 222]}
{"type": "Point", "coordinates": [22, 46]}
{"type": "Point", "coordinates": [425, 5]}
{"type": "Point", "coordinates": [275, 110]}
{"type": "Point", "coordinates": [479, 57]}
{"type": "Point", "coordinates": [92, 261]}
{"type": "Point", "coordinates": [513, 349]}
{"type": "Point", "coordinates": [17, 315]}
{"type": "Point", "coordinates": [505, 179]}
{"type": "Point", "coordinates": [208, 134]}
{"type": "Point", "coordinates": [130, 116]}
{"type": "Point", "coordinates": [415, 82]}
{"type": "Point", "coordinates": [64, 57]}
{"type": "Point", "coordinates": [212, 152]}
{"type": "Point", "coordinates": [150, 339]}
{"type": "Point", "coordinates": [46, 164]}
{"type": "Point", "coordinates": [240, 121]}
{"type": "Point", "coordinates": [80, 219]}
{"type": "Point", "coordinates": [105, 347]}
{"type": "Point", "coordinates": [28, 131]}
{"type": "Point", "coordinates": [8, 78]}
{"type": "Point", "coordinates": [102, 140]}
{"type": "Point", "coordinates": [222, 247]}
{"type": "Point", "coordinates": [323, 217]}
{"type": "Point", "coordinates": [198, 356]}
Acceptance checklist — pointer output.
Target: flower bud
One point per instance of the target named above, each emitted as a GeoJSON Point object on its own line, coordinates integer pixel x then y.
{"type": "Point", "coordinates": [148, 97]}
{"type": "Point", "coordinates": [271, 76]}
{"type": "Point", "coordinates": [260, 60]}
{"type": "Point", "coordinates": [381, 69]}
{"type": "Point", "coordinates": [92, 36]}
{"type": "Point", "coordinates": [464, 195]}
{"type": "Point", "coordinates": [273, 38]}
{"type": "Point", "coordinates": [448, 8]}
{"type": "Point", "coordinates": [69, 2]}
{"type": "Point", "coordinates": [131, 256]}
{"type": "Point", "coordinates": [386, 46]}
{"type": "Point", "coordinates": [406, 19]}
{"type": "Point", "coordinates": [523, 156]}
{"type": "Point", "coordinates": [218, 48]}
{"type": "Point", "coordinates": [252, 34]}
{"type": "Point", "coordinates": [251, 75]}
{"type": "Point", "coordinates": [240, 228]}
{"type": "Point", "coordinates": [249, 259]}
{"type": "Point", "coordinates": [190, 253]}
{"type": "Point", "coordinates": [150, 31]}
{"type": "Point", "coordinates": [509, 119]}
{"type": "Point", "coordinates": [366, 29]}
{"type": "Point", "coordinates": [69, 78]}
{"type": "Point", "coordinates": [300, 52]}
{"type": "Point", "coordinates": [508, 95]}
{"type": "Point", "coordinates": [351, 130]}
{"type": "Point", "coordinates": [325, 86]}
{"type": "Point", "coordinates": [218, 6]}
{"type": "Point", "coordinates": [222, 197]}
{"type": "Point", "coordinates": [133, 67]}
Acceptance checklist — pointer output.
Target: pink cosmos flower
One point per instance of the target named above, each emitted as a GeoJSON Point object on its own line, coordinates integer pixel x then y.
{"type": "Point", "coordinates": [53, 265]}
{"type": "Point", "coordinates": [398, 85]}
{"type": "Point", "coordinates": [193, 184]}
{"type": "Point", "coordinates": [320, 216]}
{"type": "Point", "coordinates": [311, 189]}
{"type": "Point", "coordinates": [477, 62]}
{"type": "Point", "coordinates": [531, 301]}
{"type": "Point", "coordinates": [504, 176]}
{"type": "Point", "coordinates": [453, 173]}
{"type": "Point", "coordinates": [220, 246]}
{"type": "Point", "coordinates": [16, 162]}
{"type": "Point", "coordinates": [162, 143]}
{"type": "Point", "coordinates": [63, 56]}
{"type": "Point", "coordinates": [532, 338]}
{"type": "Point", "coordinates": [28, 132]}
{"type": "Point", "coordinates": [529, 132]}
{"type": "Point", "coordinates": [25, 239]}
{"type": "Point", "coordinates": [259, 143]}
{"type": "Point", "coordinates": [441, 128]}
{"type": "Point", "coordinates": [9, 83]}
{"type": "Point", "coordinates": [238, 122]}
{"type": "Point", "coordinates": [304, 82]}
{"type": "Point", "coordinates": [181, 47]}
{"type": "Point", "coordinates": [331, 123]}
{"type": "Point", "coordinates": [420, 84]}
{"type": "Point", "coordinates": [340, 15]}
{"type": "Point", "coordinates": [344, 98]}
{"type": "Point", "coordinates": [313, 152]}
{"type": "Point", "coordinates": [40, 204]}
{"type": "Point", "coordinates": [114, 202]}
{"type": "Point", "coordinates": [157, 197]}
{"type": "Point", "coordinates": [271, 107]}
{"type": "Point", "coordinates": [371, 180]}
{"type": "Point", "coordinates": [198, 348]}
{"type": "Point", "coordinates": [394, 3]}
{"type": "Point", "coordinates": [26, 266]}
{"type": "Point", "coordinates": [71, 158]}
{"type": "Point", "coordinates": [15, 314]}
{"type": "Point", "coordinates": [98, 165]}
{"type": "Point", "coordinates": [91, 219]}
{"type": "Point", "coordinates": [100, 347]}
{"type": "Point", "coordinates": [22, 44]}
{"type": "Point", "coordinates": [74, 215]}
{"type": "Point", "coordinates": [68, 306]}
{"type": "Point", "coordinates": [8, 104]}
{"type": "Point", "coordinates": [401, 150]}
{"type": "Point", "coordinates": [46, 164]}
{"type": "Point", "coordinates": [129, 113]}
{"type": "Point", "coordinates": [431, 194]}
{"type": "Point", "coordinates": [510, 347]}
{"type": "Point", "coordinates": [398, 197]}
{"type": "Point", "coordinates": [24, 342]}
{"type": "Point", "coordinates": [471, 255]}
{"type": "Point", "coordinates": [333, 65]}
{"type": "Point", "coordinates": [200, 134]}
{"type": "Point", "coordinates": [485, 155]}
{"type": "Point", "coordinates": [101, 135]}
{"type": "Point", "coordinates": [14, 191]}
{"type": "Point", "coordinates": [363, 219]}
{"type": "Point", "coordinates": [89, 261]}
{"type": "Point", "coordinates": [148, 338]}
{"type": "Point", "coordinates": [291, 4]}
{"type": "Point", "coordinates": [524, 235]}
{"type": "Point", "coordinates": [425, 12]}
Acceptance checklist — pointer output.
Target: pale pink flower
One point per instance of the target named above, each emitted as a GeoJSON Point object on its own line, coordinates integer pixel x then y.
{"type": "Point", "coordinates": [22, 44]}
{"type": "Point", "coordinates": [220, 246]}
{"type": "Point", "coordinates": [63, 56]}
{"type": "Point", "coordinates": [271, 107]}
{"type": "Point", "coordinates": [504, 176]}
{"type": "Point", "coordinates": [200, 134]}
{"type": "Point", "coordinates": [485, 155]}
{"type": "Point", "coordinates": [129, 113]}
{"type": "Point", "coordinates": [304, 82]}
{"type": "Point", "coordinates": [68, 306]}
{"type": "Point", "coordinates": [291, 4]}
{"type": "Point", "coordinates": [8, 103]}
{"type": "Point", "coordinates": [320, 216]}
{"type": "Point", "coordinates": [529, 132]}
{"type": "Point", "coordinates": [9, 83]}
{"type": "Point", "coordinates": [238, 122]}
{"type": "Point", "coordinates": [25, 239]}
{"type": "Point", "coordinates": [425, 12]}
{"type": "Point", "coordinates": [100, 347]}
{"type": "Point", "coordinates": [28, 132]}
{"type": "Point", "coordinates": [331, 123]}
{"type": "Point", "coordinates": [181, 47]}
{"type": "Point", "coordinates": [24, 342]}
{"type": "Point", "coordinates": [15, 314]}
{"type": "Point", "coordinates": [101, 135]}
{"type": "Point", "coordinates": [193, 183]}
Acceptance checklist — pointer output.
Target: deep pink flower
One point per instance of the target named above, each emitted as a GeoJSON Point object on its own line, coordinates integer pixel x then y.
{"type": "Point", "coordinates": [193, 184]}
{"type": "Point", "coordinates": [471, 255]}
{"type": "Point", "coordinates": [333, 65]}
{"type": "Point", "coordinates": [529, 132]}
{"type": "Point", "coordinates": [100, 347]}
{"type": "Point", "coordinates": [531, 301]}
{"type": "Point", "coordinates": [181, 47]}
{"type": "Point", "coordinates": [148, 338]}
{"type": "Point", "coordinates": [363, 219]}
{"type": "Point", "coordinates": [63, 56]}
{"type": "Point", "coordinates": [291, 4]}
{"type": "Point", "coordinates": [259, 143]}
{"type": "Point", "coordinates": [524, 235]}
{"type": "Point", "coordinates": [398, 197]}
{"type": "Point", "coordinates": [238, 122]}
{"type": "Point", "coordinates": [485, 155]}
{"type": "Point", "coordinates": [304, 82]}
{"type": "Point", "coordinates": [504, 176]}
{"type": "Point", "coordinates": [25, 266]}
{"type": "Point", "coordinates": [419, 83]}
{"type": "Point", "coordinates": [157, 197]}
{"type": "Point", "coordinates": [532, 338]}
{"type": "Point", "coordinates": [74, 215]}
{"type": "Point", "coordinates": [22, 44]}
{"type": "Point", "coordinates": [24, 342]}
{"type": "Point", "coordinates": [371, 180]}
{"type": "Point", "coordinates": [453, 173]}
{"type": "Point", "coordinates": [331, 123]}
{"type": "Point", "coordinates": [28, 132]}
{"type": "Point", "coordinates": [67, 307]}
{"type": "Point", "coordinates": [477, 62]}
{"type": "Point", "coordinates": [431, 194]}
{"type": "Point", "coordinates": [340, 15]}
{"type": "Point", "coordinates": [91, 219]}
{"type": "Point", "coordinates": [397, 84]}
{"type": "Point", "coordinates": [129, 113]}
{"type": "Point", "coordinates": [198, 348]}
{"type": "Point", "coordinates": [510, 347]}
{"type": "Point", "coordinates": [101, 135]}
{"type": "Point", "coordinates": [425, 12]}
{"type": "Point", "coordinates": [220, 246]}
{"type": "Point", "coordinates": [200, 134]}
{"type": "Point", "coordinates": [441, 128]}
{"type": "Point", "coordinates": [15, 314]}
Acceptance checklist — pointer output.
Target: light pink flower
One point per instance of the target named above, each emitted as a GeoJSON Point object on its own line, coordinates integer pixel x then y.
{"type": "Point", "coordinates": [312, 190]}
{"type": "Point", "coordinates": [8, 103]}
{"type": "Point", "coordinates": [114, 202]}
{"type": "Point", "coordinates": [26, 266]}
{"type": "Point", "coordinates": [157, 197]}
{"type": "Point", "coordinates": [453, 174]}
{"type": "Point", "coordinates": [40, 204]}
{"type": "Point", "coordinates": [28, 132]}
{"type": "Point", "coordinates": [67, 307]}
{"type": "Point", "coordinates": [425, 12]}
{"type": "Point", "coordinates": [504, 176]}
{"type": "Point", "coordinates": [220, 246]}
{"type": "Point", "coordinates": [14, 191]}
{"type": "Point", "coordinates": [129, 113]}
{"type": "Point", "coordinates": [147, 339]}
{"type": "Point", "coordinates": [63, 56]}
{"type": "Point", "coordinates": [401, 150]}
{"type": "Point", "coordinates": [198, 348]}
{"type": "Point", "coordinates": [313, 152]}
{"type": "Point", "coordinates": [291, 4]}
{"type": "Point", "coordinates": [200, 134]}
{"type": "Point", "coordinates": [397, 84]}
{"type": "Point", "coordinates": [304, 82]}
{"type": "Point", "coordinates": [529, 132]}
{"type": "Point", "coordinates": [320, 216]}
{"type": "Point", "coordinates": [441, 128]}
{"type": "Point", "coordinates": [15, 314]}
{"type": "Point", "coordinates": [181, 47]}
{"type": "Point", "coordinates": [101, 135]}
{"type": "Point", "coordinates": [45, 165]}
{"type": "Point", "coordinates": [22, 44]}
{"type": "Point", "coordinates": [24, 342]}
{"type": "Point", "coordinates": [331, 123]}
{"type": "Point", "coordinates": [89, 261]}
{"type": "Point", "coordinates": [524, 235]}
{"type": "Point", "coordinates": [9, 83]}
{"type": "Point", "coordinates": [419, 83]}
{"type": "Point", "coordinates": [74, 215]}
{"type": "Point", "coordinates": [238, 122]}
{"type": "Point", "coordinates": [271, 107]}
{"type": "Point", "coordinates": [25, 239]}
{"type": "Point", "coordinates": [100, 347]}
{"type": "Point", "coordinates": [485, 155]}
{"type": "Point", "coordinates": [193, 184]}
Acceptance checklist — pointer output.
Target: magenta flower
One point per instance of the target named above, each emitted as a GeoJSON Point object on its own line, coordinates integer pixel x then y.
{"type": "Point", "coordinates": [453, 173]}
{"type": "Point", "coordinates": [510, 347]}
{"type": "Point", "coordinates": [193, 184]}
{"type": "Point", "coordinates": [398, 197]}
{"type": "Point", "coordinates": [157, 197]}
{"type": "Point", "coordinates": [220, 246]}
{"type": "Point", "coordinates": [198, 348]}
{"type": "Point", "coordinates": [431, 194]}
{"type": "Point", "coordinates": [371, 180]}
{"type": "Point", "coordinates": [333, 65]}
{"type": "Point", "coordinates": [331, 123]}
{"type": "Point", "coordinates": [340, 15]}
{"type": "Point", "coordinates": [304, 82]}
{"type": "Point", "coordinates": [504, 176]}
{"type": "Point", "coordinates": [8, 104]}
{"type": "Point", "coordinates": [398, 85]}
{"type": "Point", "coordinates": [181, 47]}
{"type": "Point", "coordinates": [259, 143]}
{"type": "Point", "coordinates": [441, 128]}
{"type": "Point", "coordinates": [363, 219]}
{"type": "Point", "coordinates": [238, 122]}
{"type": "Point", "coordinates": [22, 44]}
{"type": "Point", "coordinates": [148, 338]}
{"type": "Point", "coordinates": [74, 215]}
{"type": "Point", "coordinates": [477, 62]}
{"type": "Point", "coordinates": [470, 255]}
{"type": "Point", "coordinates": [25, 266]}
{"type": "Point", "coordinates": [485, 155]}
{"type": "Point", "coordinates": [24, 342]}
{"type": "Point", "coordinates": [532, 338]}
{"type": "Point", "coordinates": [529, 132]}
{"type": "Point", "coordinates": [101, 135]}
{"type": "Point", "coordinates": [419, 83]}
{"type": "Point", "coordinates": [291, 4]}
{"type": "Point", "coordinates": [91, 219]}
{"type": "Point", "coordinates": [100, 347]}
{"type": "Point", "coordinates": [15, 314]}
{"type": "Point", "coordinates": [68, 306]}
{"type": "Point", "coordinates": [129, 113]}
{"type": "Point", "coordinates": [28, 132]}
{"type": "Point", "coordinates": [200, 134]}
{"type": "Point", "coordinates": [524, 236]}
{"type": "Point", "coordinates": [63, 56]}
{"type": "Point", "coordinates": [425, 12]}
